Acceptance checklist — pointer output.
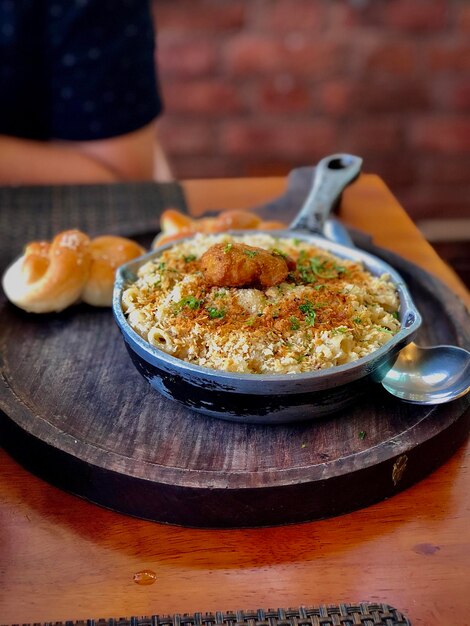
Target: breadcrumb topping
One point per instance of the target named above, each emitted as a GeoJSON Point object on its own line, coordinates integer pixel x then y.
{"type": "Point", "coordinates": [328, 311]}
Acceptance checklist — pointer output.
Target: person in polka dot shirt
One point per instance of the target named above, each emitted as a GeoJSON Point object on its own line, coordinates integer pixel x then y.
{"type": "Point", "coordinates": [79, 95]}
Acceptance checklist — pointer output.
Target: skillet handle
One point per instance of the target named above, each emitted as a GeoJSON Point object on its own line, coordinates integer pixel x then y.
{"type": "Point", "coordinates": [332, 175]}
{"type": "Point", "coordinates": [336, 232]}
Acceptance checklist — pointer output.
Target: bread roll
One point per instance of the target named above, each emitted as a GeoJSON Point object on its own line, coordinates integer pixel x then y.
{"type": "Point", "coordinates": [49, 277]}
{"type": "Point", "coordinates": [107, 254]}
{"type": "Point", "coordinates": [175, 225]}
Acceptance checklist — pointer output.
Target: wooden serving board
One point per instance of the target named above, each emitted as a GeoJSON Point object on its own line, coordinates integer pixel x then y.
{"type": "Point", "coordinates": [78, 414]}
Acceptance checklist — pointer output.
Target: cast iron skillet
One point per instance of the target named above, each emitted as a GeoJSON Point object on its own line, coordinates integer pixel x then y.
{"type": "Point", "coordinates": [277, 398]}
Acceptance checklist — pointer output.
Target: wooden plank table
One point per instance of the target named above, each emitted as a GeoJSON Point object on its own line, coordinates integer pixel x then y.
{"type": "Point", "coordinates": [63, 558]}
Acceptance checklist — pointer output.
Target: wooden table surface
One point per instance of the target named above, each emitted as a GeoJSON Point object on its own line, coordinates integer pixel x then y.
{"type": "Point", "coordinates": [63, 558]}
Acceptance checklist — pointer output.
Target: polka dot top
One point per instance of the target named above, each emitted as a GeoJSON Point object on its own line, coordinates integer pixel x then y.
{"type": "Point", "coordinates": [76, 69]}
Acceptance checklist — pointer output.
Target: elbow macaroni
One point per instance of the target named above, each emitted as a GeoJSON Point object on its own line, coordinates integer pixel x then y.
{"type": "Point", "coordinates": [329, 312]}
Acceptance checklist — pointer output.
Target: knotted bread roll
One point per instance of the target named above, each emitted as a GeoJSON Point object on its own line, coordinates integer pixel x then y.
{"type": "Point", "coordinates": [107, 254]}
{"type": "Point", "coordinates": [50, 277]}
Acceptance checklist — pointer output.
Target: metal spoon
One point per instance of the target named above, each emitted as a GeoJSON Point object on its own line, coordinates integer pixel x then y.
{"type": "Point", "coordinates": [429, 375]}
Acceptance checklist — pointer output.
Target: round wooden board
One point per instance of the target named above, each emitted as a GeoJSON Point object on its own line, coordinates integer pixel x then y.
{"type": "Point", "coordinates": [79, 415]}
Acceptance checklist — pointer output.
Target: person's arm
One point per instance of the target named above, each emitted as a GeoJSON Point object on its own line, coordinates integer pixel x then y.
{"type": "Point", "coordinates": [127, 157]}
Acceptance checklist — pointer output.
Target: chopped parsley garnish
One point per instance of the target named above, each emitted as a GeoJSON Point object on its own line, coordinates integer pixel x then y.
{"type": "Point", "coordinates": [362, 434]}
{"type": "Point", "coordinates": [278, 252]}
{"type": "Point", "coordinates": [220, 294]}
{"type": "Point", "coordinates": [294, 323]}
{"type": "Point", "coordinates": [190, 301]}
{"type": "Point", "coordinates": [357, 320]}
{"type": "Point", "coordinates": [250, 253]}
{"type": "Point", "coordinates": [250, 321]}
{"type": "Point", "coordinates": [215, 313]}
{"type": "Point", "coordinates": [384, 329]}
{"type": "Point", "coordinates": [306, 274]}
{"type": "Point", "coordinates": [326, 269]}
{"type": "Point", "coordinates": [395, 315]}
{"type": "Point", "coordinates": [317, 267]}
{"type": "Point", "coordinates": [340, 329]}
{"type": "Point", "coordinates": [190, 257]}
{"type": "Point", "coordinates": [228, 247]}
{"type": "Point", "coordinates": [317, 263]}
{"type": "Point", "coordinates": [308, 310]}
{"type": "Point", "coordinates": [160, 266]}
{"type": "Point", "coordinates": [309, 268]}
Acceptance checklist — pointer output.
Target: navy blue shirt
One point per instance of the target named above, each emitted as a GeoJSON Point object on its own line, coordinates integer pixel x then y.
{"type": "Point", "coordinates": [76, 69]}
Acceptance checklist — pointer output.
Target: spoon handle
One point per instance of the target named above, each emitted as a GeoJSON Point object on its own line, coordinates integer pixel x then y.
{"type": "Point", "coordinates": [332, 175]}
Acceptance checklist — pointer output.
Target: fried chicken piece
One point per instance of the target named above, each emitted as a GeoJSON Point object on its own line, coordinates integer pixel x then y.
{"type": "Point", "coordinates": [239, 265]}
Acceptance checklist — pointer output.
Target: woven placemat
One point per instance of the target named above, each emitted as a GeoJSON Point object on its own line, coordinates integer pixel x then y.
{"type": "Point", "coordinates": [35, 213]}
{"type": "Point", "coordinates": [363, 614]}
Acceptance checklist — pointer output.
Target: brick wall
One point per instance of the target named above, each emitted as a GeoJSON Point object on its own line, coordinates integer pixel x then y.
{"type": "Point", "coordinates": [257, 87]}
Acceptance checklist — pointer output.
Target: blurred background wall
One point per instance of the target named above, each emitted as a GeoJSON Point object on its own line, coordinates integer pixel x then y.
{"type": "Point", "coordinates": [258, 87]}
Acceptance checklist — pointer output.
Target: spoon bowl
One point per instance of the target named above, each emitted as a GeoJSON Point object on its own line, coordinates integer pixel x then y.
{"type": "Point", "coordinates": [429, 375]}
